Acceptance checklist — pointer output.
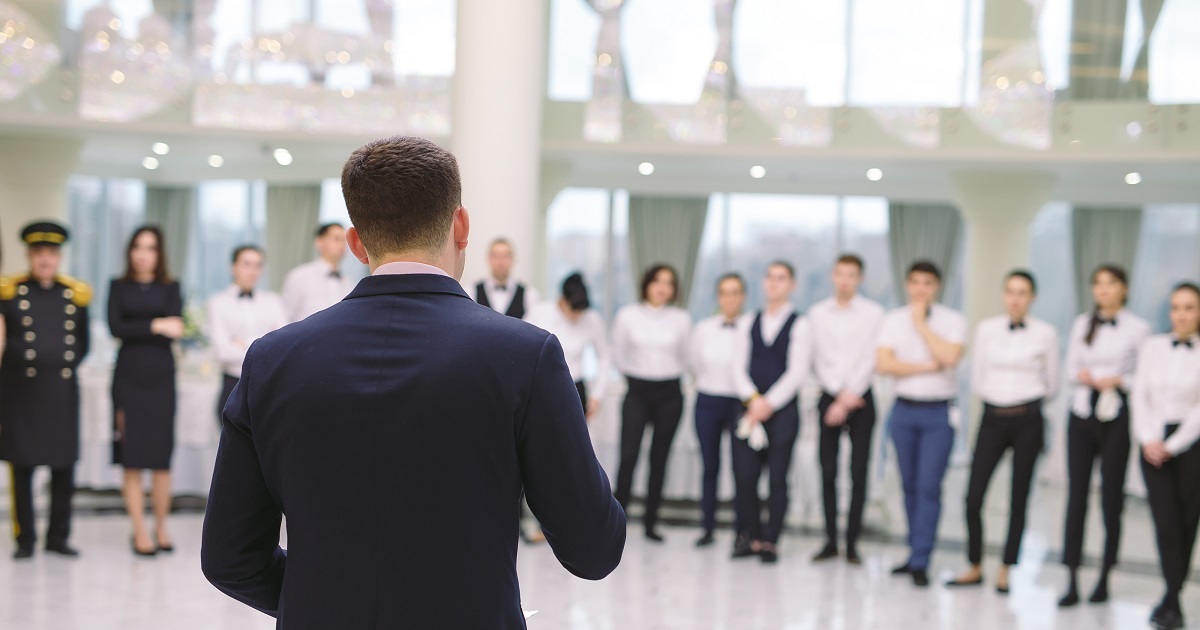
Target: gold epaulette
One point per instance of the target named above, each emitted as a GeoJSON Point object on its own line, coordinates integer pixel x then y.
{"type": "Point", "coordinates": [81, 292]}
{"type": "Point", "coordinates": [8, 286]}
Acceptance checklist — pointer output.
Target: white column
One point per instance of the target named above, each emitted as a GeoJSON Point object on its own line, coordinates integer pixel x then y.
{"type": "Point", "coordinates": [499, 86]}
{"type": "Point", "coordinates": [33, 186]}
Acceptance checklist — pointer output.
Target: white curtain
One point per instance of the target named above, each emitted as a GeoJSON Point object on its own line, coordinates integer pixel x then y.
{"type": "Point", "coordinates": [919, 231]}
{"type": "Point", "coordinates": [292, 214]}
{"type": "Point", "coordinates": [1102, 236]}
{"type": "Point", "coordinates": [173, 209]}
{"type": "Point", "coordinates": [666, 230]}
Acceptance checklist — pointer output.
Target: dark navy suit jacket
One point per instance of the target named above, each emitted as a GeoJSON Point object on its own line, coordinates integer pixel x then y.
{"type": "Point", "coordinates": [396, 431]}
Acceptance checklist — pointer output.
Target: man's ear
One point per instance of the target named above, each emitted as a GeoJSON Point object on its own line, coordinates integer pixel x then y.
{"type": "Point", "coordinates": [356, 246]}
{"type": "Point", "coordinates": [462, 228]}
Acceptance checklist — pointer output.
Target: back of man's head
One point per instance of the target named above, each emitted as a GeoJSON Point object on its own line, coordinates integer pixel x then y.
{"type": "Point", "coordinates": [401, 193]}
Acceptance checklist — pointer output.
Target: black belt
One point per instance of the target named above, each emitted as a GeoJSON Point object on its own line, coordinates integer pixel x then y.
{"type": "Point", "coordinates": [922, 403]}
{"type": "Point", "coordinates": [1026, 409]}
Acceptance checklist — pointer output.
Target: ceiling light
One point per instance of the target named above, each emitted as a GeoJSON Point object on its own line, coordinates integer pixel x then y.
{"type": "Point", "coordinates": [283, 156]}
{"type": "Point", "coordinates": [117, 76]}
{"type": "Point", "coordinates": [215, 161]}
{"type": "Point", "coordinates": [1133, 178]}
{"type": "Point", "coordinates": [646, 168]}
{"type": "Point", "coordinates": [1133, 129]}
{"type": "Point", "coordinates": [758, 172]}
{"type": "Point", "coordinates": [150, 163]}
{"type": "Point", "coordinates": [874, 174]}
{"type": "Point", "coordinates": [161, 148]}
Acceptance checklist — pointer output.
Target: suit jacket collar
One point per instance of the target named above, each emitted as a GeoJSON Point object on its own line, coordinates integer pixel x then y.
{"type": "Point", "coordinates": [406, 284]}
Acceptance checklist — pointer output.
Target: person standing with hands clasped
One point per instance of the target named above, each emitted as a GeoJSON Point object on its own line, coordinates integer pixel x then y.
{"type": "Point", "coordinates": [1101, 360]}
{"type": "Point", "coordinates": [920, 345]}
{"type": "Point", "coordinates": [1166, 422]}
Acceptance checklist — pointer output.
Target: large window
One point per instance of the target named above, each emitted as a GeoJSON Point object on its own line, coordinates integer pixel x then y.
{"type": "Point", "coordinates": [587, 232]}
{"type": "Point", "coordinates": [1167, 255]}
{"type": "Point", "coordinates": [102, 214]}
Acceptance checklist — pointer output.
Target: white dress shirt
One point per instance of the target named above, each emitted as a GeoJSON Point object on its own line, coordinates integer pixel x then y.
{"type": "Point", "coordinates": [234, 322]}
{"type": "Point", "coordinates": [500, 294]}
{"type": "Point", "coordinates": [1013, 366]}
{"type": "Point", "coordinates": [900, 334]}
{"type": "Point", "coordinates": [713, 343]}
{"type": "Point", "coordinates": [799, 351]}
{"type": "Point", "coordinates": [1166, 390]}
{"type": "Point", "coordinates": [311, 287]}
{"type": "Point", "coordinates": [576, 337]}
{"type": "Point", "coordinates": [844, 340]}
{"type": "Point", "coordinates": [1113, 352]}
{"type": "Point", "coordinates": [651, 343]}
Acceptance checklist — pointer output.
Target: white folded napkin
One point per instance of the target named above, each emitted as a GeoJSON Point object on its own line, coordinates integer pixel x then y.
{"type": "Point", "coordinates": [754, 434]}
{"type": "Point", "coordinates": [1108, 407]}
{"type": "Point", "coordinates": [1081, 402]}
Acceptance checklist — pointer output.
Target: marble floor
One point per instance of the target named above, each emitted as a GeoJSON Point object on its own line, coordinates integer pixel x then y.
{"type": "Point", "coordinates": [667, 586]}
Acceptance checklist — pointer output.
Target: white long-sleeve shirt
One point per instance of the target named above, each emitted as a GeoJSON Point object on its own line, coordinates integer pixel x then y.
{"type": "Point", "coordinates": [799, 351]}
{"type": "Point", "coordinates": [501, 294]}
{"type": "Point", "coordinates": [313, 286]}
{"type": "Point", "coordinates": [844, 343]}
{"type": "Point", "coordinates": [576, 337]}
{"type": "Point", "coordinates": [712, 347]}
{"type": "Point", "coordinates": [235, 321]}
{"type": "Point", "coordinates": [900, 333]}
{"type": "Point", "coordinates": [1112, 353]}
{"type": "Point", "coordinates": [1012, 365]}
{"type": "Point", "coordinates": [651, 343]}
{"type": "Point", "coordinates": [1166, 389]}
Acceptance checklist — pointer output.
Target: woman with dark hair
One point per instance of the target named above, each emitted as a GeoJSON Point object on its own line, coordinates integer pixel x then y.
{"type": "Point", "coordinates": [1014, 370]}
{"type": "Point", "coordinates": [650, 341]}
{"type": "Point", "coordinates": [1166, 422]}
{"type": "Point", "coordinates": [145, 311]}
{"type": "Point", "coordinates": [1101, 358]}
{"type": "Point", "coordinates": [578, 328]}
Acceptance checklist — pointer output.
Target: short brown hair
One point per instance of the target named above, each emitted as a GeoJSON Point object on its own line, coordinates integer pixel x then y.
{"type": "Point", "coordinates": [401, 193]}
{"type": "Point", "coordinates": [851, 259]}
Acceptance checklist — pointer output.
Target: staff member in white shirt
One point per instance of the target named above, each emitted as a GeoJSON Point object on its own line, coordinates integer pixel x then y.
{"type": "Point", "coordinates": [920, 345]}
{"type": "Point", "coordinates": [650, 341]}
{"type": "Point", "coordinates": [318, 284]}
{"type": "Point", "coordinates": [1166, 421]}
{"type": "Point", "coordinates": [844, 329]}
{"type": "Point", "coordinates": [1014, 369]}
{"type": "Point", "coordinates": [717, 405]}
{"type": "Point", "coordinates": [1101, 359]}
{"type": "Point", "coordinates": [501, 292]}
{"type": "Point", "coordinates": [770, 364]}
{"type": "Point", "coordinates": [239, 315]}
{"type": "Point", "coordinates": [578, 328]}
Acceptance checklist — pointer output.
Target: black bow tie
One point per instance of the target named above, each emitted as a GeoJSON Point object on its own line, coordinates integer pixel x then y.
{"type": "Point", "coordinates": [1175, 343]}
{"type": "Point", "coordinates": [503, 288]}
{"type": "Point", "coordinates": [728, 324]}
{"type": "Point", "coordinates": [335, 274]}
{"type": "Point", "coordinates": [1016, 325]}
{"type": "Point", "coordinates": [246, 294]}
{"type": "Point", "coordinates": [1107, 322]}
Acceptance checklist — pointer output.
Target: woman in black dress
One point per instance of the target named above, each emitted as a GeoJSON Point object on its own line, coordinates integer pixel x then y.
{"type": "Point", "coordinates": [145, 312]}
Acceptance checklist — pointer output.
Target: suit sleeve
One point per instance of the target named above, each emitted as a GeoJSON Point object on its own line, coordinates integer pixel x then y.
{"type": "Point", "coordinates": [240, 553]}
{"type": "Point", "coordinates": [565, 486]}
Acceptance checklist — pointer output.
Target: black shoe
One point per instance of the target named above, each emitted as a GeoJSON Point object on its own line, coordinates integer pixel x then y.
{"type": "Point", "coordinates": [1003, 590]}
{"type": "Point", "coordinates": [63, 549]}
{"type": "Point", "coordinates": [920, 578]}
{"type": "Point", "coordinates": [1069, 600]}
{"type": "Point", "coordinates": [171, 548]}
{"type": "Point", "coordinates": [1100, 595]}
{"type": "Point", "coordinates": [1167, 619]}
{"type": "Point", "coordinates": [143, 554]}
{"type": "Point", "coordinates": [903, 569]}
{"type": "Point", "coordinates": [705, 540]}
{"type": "Point", "coordinates": [828, 553]}
{"type": "Point", "coordinates": [852, 557]}
{"type": "Point", "coordinates": [23, 553]}
{"type": "Point", "coordinates": [957, 583]}
{"type": "Point", "coordinates": [742, 547]}
{"type": "Point", "coordinates": [653, 536]}
{"type": "Point", "coordinates": [769, 554]}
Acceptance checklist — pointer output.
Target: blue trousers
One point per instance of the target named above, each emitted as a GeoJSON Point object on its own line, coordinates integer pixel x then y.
{"type": "Point", "coordinates": [715, 416]}
{"type": "Point", "coordinates": [923, 438]}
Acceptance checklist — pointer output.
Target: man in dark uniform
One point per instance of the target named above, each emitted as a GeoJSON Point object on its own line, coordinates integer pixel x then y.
{"type": "Point", "coordinates": [45, 320]}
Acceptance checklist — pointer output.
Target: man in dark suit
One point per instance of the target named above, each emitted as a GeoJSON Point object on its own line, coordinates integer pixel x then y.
{"type": "Point", "coordinates": [403, 402]}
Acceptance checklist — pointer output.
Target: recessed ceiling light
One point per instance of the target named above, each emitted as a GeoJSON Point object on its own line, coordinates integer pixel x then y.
{"type": "Point", "coordinates": [161, 148]}
{"type": "Point", "coordinates": [117, 76]}
{"type": "Point", "coordinates": [347, 91]}
{"type": "Point", "coordinates": [1133, 178]}
{"type": "Point", "coordinates": [283, 156]}
{"type": "Point", "coordinates": [874, 174]}
{"type": "Point", "coordinates": [1133, 129]}
{"type": "Point", "coordinates": [758, 172]}
{"type": "Point", "coordinates": [215, 161]}
{"type": "Point", "coordinates": [150, 163]}
{"type": "Point", "coordinates": [646, 168]}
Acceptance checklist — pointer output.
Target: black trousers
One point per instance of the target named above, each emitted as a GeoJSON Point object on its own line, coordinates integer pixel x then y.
{"type": "Point", "coordinates": [860, 426]}
{"type": "Point", "coordinates": [648, 403]}
{"type": "Point", "coordinates": [1174, 494]}
{"type": "Point", "coordinates": [581, 387]}
{"type": "Point", "coordinates": [62, 487]}
{"type": "Point", "coordinates": [1087, 440]}
{"type": "Point", "coordinates": [227, 383]}
{"type": "Point", "coordinates": [715, 416]}
{"type": "Point", "coordinates": [782, 430]}
{"type": "Point", "coordinates": [1021, 429]}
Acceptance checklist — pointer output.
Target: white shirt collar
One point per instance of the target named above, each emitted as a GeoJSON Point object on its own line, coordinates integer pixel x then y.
{"type": "Point", "coordinates": [404, 268]}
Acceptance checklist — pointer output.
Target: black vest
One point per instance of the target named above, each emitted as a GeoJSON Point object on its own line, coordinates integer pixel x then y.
{"type": "Point", "coordinates": [516, 308]}
{"type": "Point", "coordinates": [768, 363]}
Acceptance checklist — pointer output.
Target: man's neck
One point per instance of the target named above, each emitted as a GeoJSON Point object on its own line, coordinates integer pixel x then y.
{"type": "Point", "coordinates": [844, 300]}
{"type": "Point", "coordinates": [333, 264]}
{"type": "Point", "coordinates": [499, 280]}
{"type": "Point", "coordinates": [412, 257]}
{"type": "Point", "coordinates": [45, 282]}
{"type": "Point", "coordinates": [243, 289]}
{"type": "Point", "coordinates": [1018, 317]}
{"type": "Point", "coordinates": [773, 308]}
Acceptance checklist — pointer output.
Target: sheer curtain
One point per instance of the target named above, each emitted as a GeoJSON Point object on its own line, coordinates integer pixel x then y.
{"type": "Point", "coordinates": [293, 211]}
{"type": "Point", "coordinates": [918, 231]}
{"type": "Point", "coordinates": [173, 208]}
{"type": "Point", "coordinates": [666, 230]}
{"type": "Point", "coordinates": [1102, 236]}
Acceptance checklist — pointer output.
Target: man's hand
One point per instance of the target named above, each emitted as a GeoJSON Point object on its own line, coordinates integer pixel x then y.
{"type": "Point", "coordinates": [1107, 383]}
{"type": "Point", "coordinates": [850, 401]}
{"type": "Point", "coordinates": [920, 313]}
{"type": "Point", "coordinates": [759, 410]}
{"type": "Point", "coordinates": [592, 407]}
{"type": "Point", "coordinates": [1156, 453]}
{"type": "Point", "coordinates": [835, 415]}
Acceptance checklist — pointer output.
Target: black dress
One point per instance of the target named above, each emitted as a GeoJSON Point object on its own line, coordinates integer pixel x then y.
{"type": "Point", "coordinates": [143, 385]}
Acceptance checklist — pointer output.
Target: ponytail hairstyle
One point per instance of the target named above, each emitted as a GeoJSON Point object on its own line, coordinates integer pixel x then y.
{"type": "Point", "coordinates": [1117, 273]}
